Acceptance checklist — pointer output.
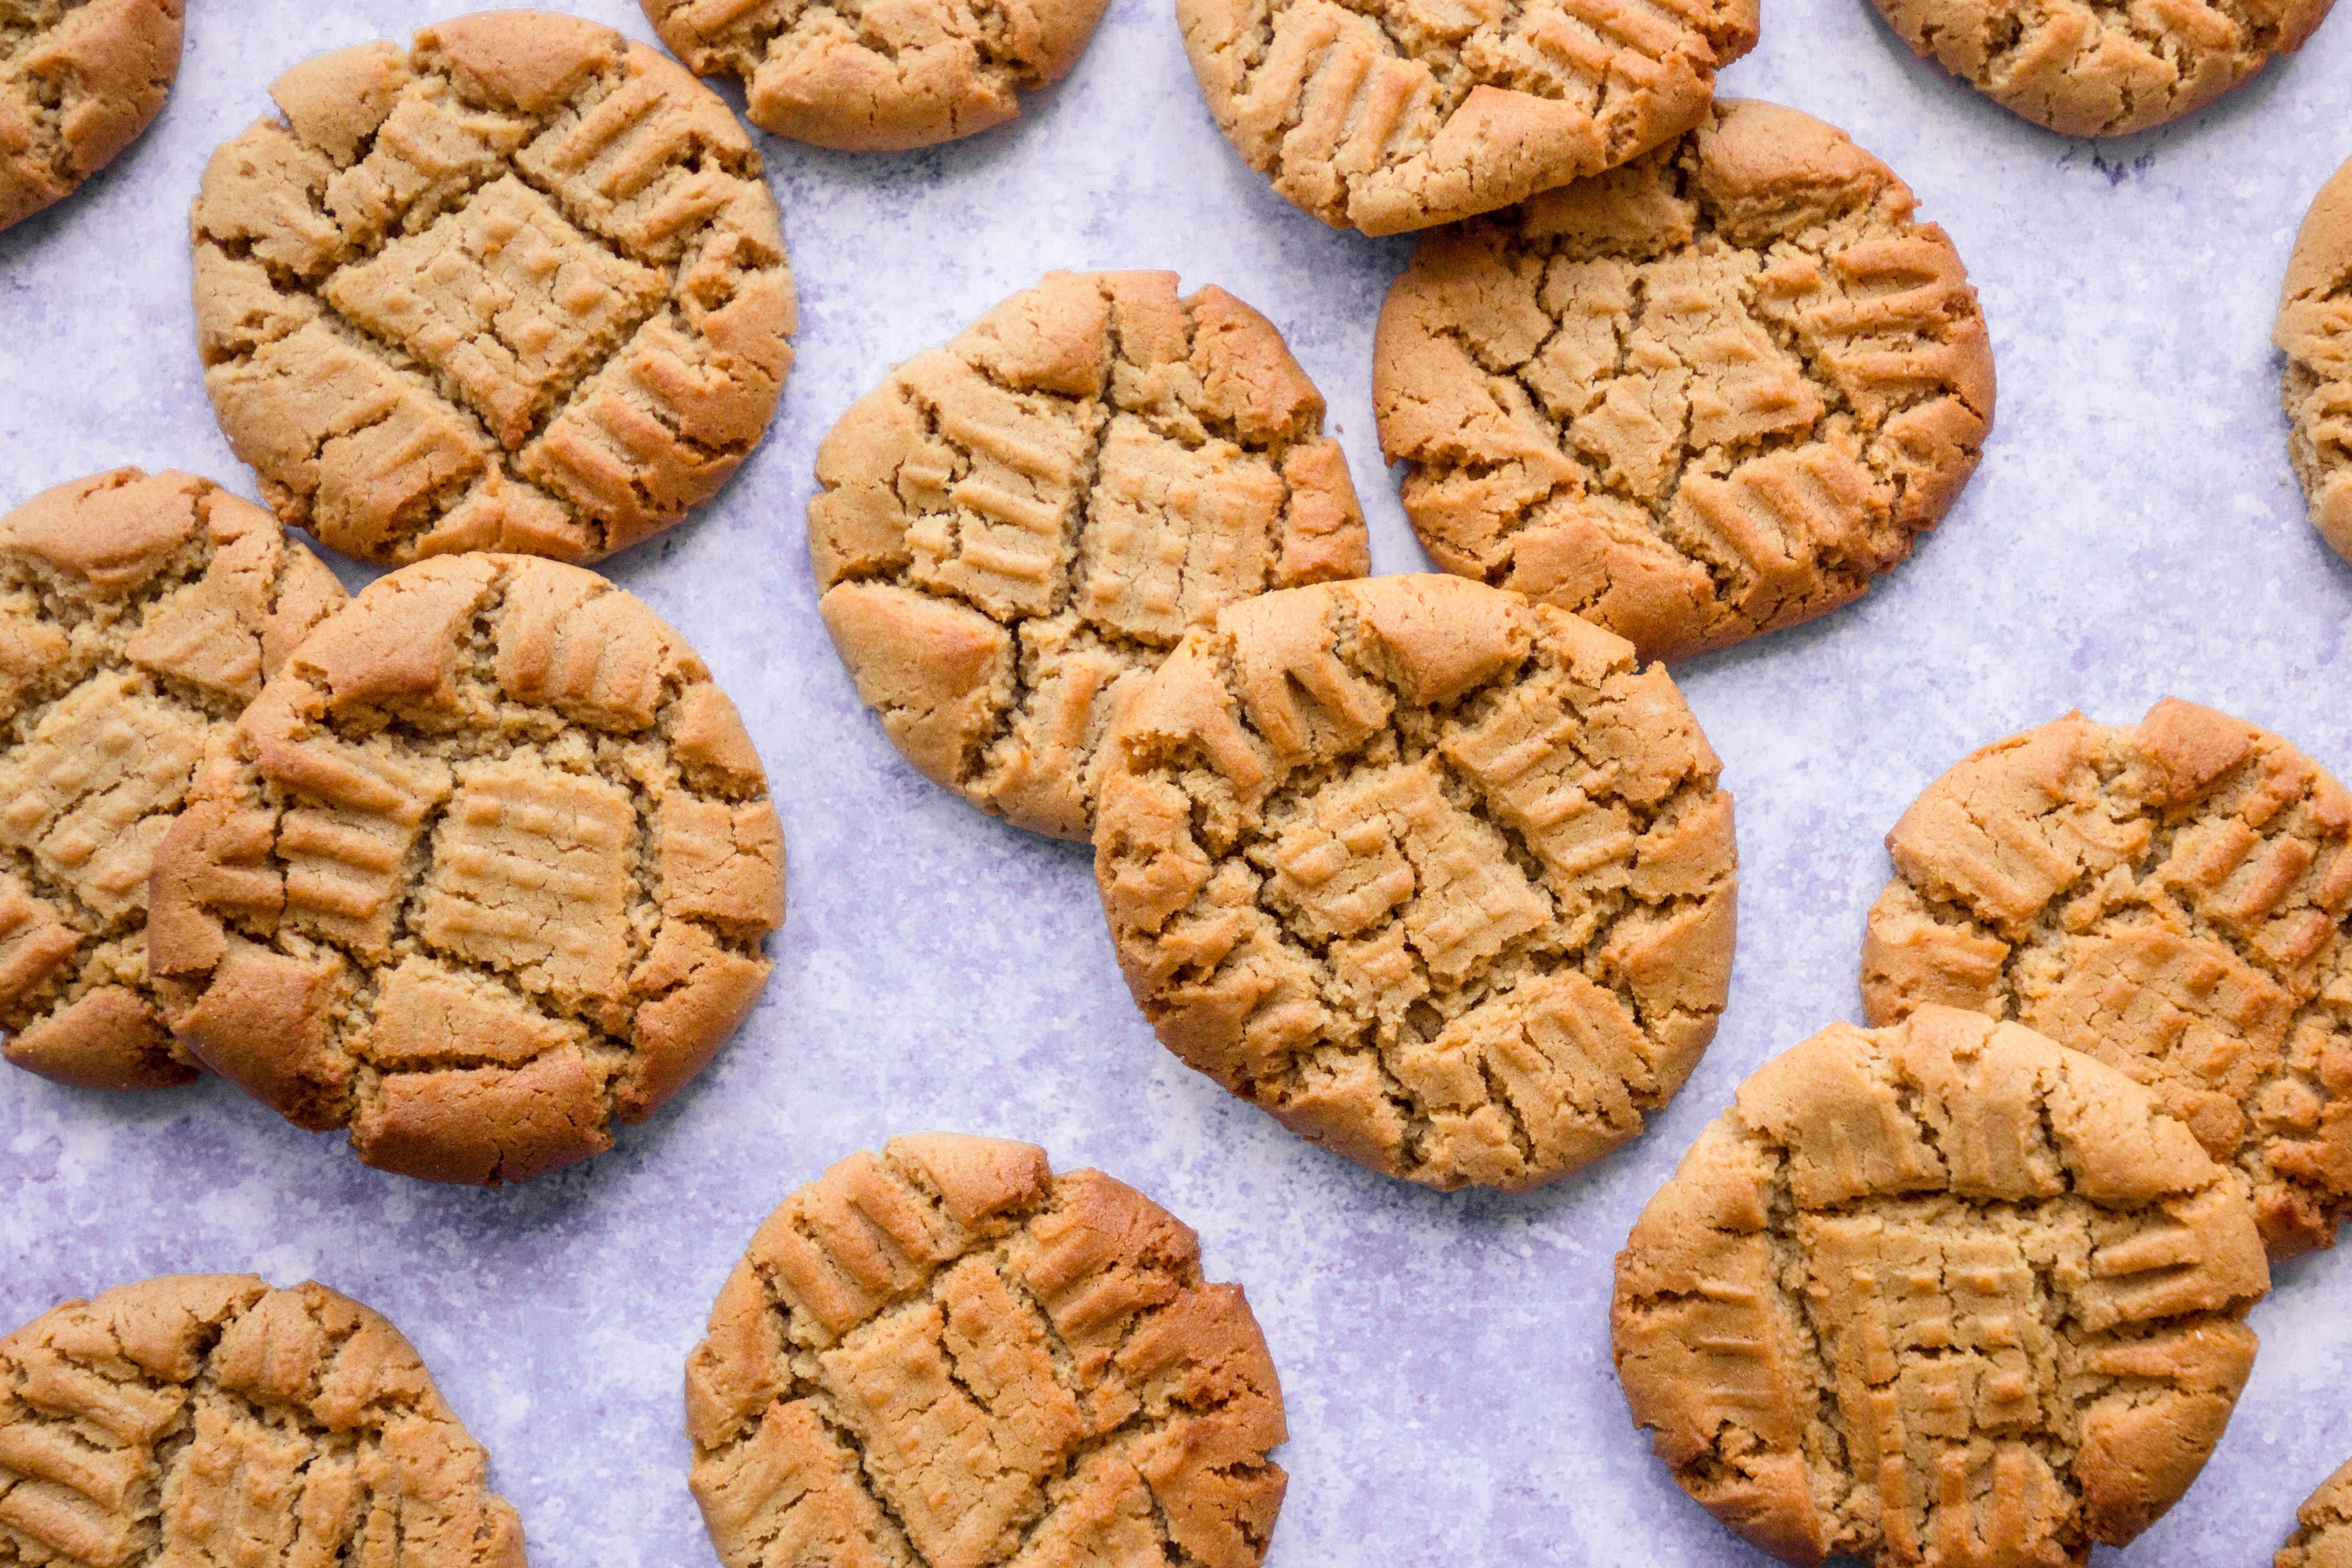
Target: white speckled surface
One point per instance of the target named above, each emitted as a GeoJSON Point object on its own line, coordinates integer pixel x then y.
{"type": "Point", "coordinates": [2134, 532]}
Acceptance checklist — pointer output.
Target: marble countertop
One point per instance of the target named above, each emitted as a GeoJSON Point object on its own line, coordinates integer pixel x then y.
{"type": "Point", "coordinates": [2134, 532]}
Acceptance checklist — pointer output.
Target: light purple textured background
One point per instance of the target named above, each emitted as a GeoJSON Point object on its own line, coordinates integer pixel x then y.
{"type": "Point", "coordinates": [2134, 532]}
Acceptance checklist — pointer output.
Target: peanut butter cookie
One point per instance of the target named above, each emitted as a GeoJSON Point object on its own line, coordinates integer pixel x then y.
{"type": "Point", "coordinates": [485, 866]}
{"type": "Point", "coordinates": [519, 287]}
{"type": "Point", "coordinates": [80, 79]}
{"type": "Point", "coordinates": [2171, 897]}
{"type": "Point", "coordinates": [138, 614]}
{"type": "Point", "coordinates": [1403, 113]}
{"type": "Point", "coordinates": [2313, 331]}
{"type": "Point", "coordinates": [1016, 527]}
{"type": "Point", "coordinates": [869, 78]}
{"type": "Point", "coordinates": [1944, 1295]}
{"type": "Point", "coordinates": [1439, 877]}
{"type": "Point", "coordinates": [208, 1419]}
{"type": "Point", "coordinates": [1711, 394]}
{"type": "Point", "coordinates": [947, 1355]}
{"type": "Point", "coordinates": [2325, 1539]}
{"type": "Point", "coordinates": [2092, 68]}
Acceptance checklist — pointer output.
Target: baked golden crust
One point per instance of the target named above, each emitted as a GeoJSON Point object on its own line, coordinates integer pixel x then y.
{"type": "Point", "coordinates": [2094, 67]}
{"type": "Point", "coordinates": [2313, 331]}
{"type": "Point", "coordinates": [519, 286]}
{"type": "Point", "coordinates": [1402, 114]}
{"type": "Point", "coordinates": [138, 614]}
{"type": "Point", "coordinates": [1708, 395]}
{"type": "Point", "coordinates": [948, 1357]}
{"type": "Point", "coordinates": [80, 79]}
{"type": "Point", "coordinates": [2324, 1536]}
{"type": "Point", "coordinates": [209, 1419]}
{"type": "Point", "coordinates": [1944, 1295]}
{"type": "Point", "coordinates": [2170, 897]}
{"type": "Point", "coordinates": [1437, 877]}
{"type": "Point", "coordinates": [1014, 528]}
{"type": "Point", "coordinates": [878, 77]}
{"type": "Point", "coordinates": [486, 866]}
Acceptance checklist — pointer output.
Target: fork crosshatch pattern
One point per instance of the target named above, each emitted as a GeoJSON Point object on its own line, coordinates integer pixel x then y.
{"type": "Point", "coordinates": [2134, 529]}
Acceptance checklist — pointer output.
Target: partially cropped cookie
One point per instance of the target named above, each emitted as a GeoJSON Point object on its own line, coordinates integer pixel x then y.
{"type": "Point", "coordinates": [2313, 331]}
{"type": "Point", "coordinates": [878, 77]}
{"type": "Point", "coordinates": [519, 286]}
{"type": "Point", "coordinates": [485, 868]}
{"type": "Point", "coordinates": [1439, 877]}
{"type": "Point", "coordinates": [1014, 528]}
{"type": "Point", "coordinates": [209, 1419]}
{"type": "Point", "coordinates": [80, 79]}
{"type": "Point", "coordinates": [1710, 394]}
{"type": "Point", "coordinates": [138, 614]}
{"type": "Point", "coordinates": [2171, 897]}
{"type": "Point", "coordinates": [2325, 1538]}
{"type": "Point", "coordinates": [1397, 115]}
{"type": "Point", "coordinates": [2089, 70]}
{"type": "Point", "coordinates": [947, 1354]}
{"type": "Point", "coordinates": [1944, 1295]}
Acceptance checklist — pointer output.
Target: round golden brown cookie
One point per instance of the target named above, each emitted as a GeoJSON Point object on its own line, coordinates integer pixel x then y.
{"type": "Point", "coordinates": [1015, 528]}
{"type": "Point", "coordinates": [138, 614]}
{"type": "Point", "coordinates": [2171, 897]}
{"type": "Point", "coordinates": [2313, 331]}
{"type": "Point", "coordinates": [80, 79]}
{"type": "Point", "coordinates": [1710, 394]}
{"type": "Point", "coordinates": [485, 866]}
{"type": "Point", "coordinates": [948, 1354]}
{"type": "Point", "coordinates": [1943, 1294]}
{"type": "Point", "coordinates": [872, 77]}
{"type": "Point", "coordinates": [518, 287]}
{"type": "Point", "coordinates": [209, 1419]}
{"type": "Point", "coordinates": [1400, 114]}
{"type": "Point", "coordinates": [2097, 70]}
{"type": "Point", "coordinates": [1439, 877]}
{"type": "Point", "coordinates": [2325, 1538]}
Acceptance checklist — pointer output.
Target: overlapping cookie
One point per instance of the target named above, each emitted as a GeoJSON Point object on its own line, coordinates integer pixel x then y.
{"type": "Point", "coordinates": [1015, 529]}
{"type": "Point", "coordinates": [1710, 394]}
{"type": "Point", "coordinates": [1441, 878]}
{"type": "Point", "coordinates": [138, 614]}
{"type": "Point", "coordinates": [485, 868]}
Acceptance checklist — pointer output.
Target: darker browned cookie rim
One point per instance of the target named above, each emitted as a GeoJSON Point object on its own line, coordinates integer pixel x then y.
{"type": "Point", "coordinates": [75, 90]}
{"type": "Point", "coordinates": [947, 1354]}
{"type": "Point", "coordinates": [489, 867]}
{"type": "Point", "coordinates": [2313, 380]}
{"type": "Point", "coordinates": [2323, 1534]}
{"type": "Point", "coordinates": [622, 330]}
{"type": "Point", "coordinates": [209, 1417]}
{"type": "Point", "coordinates": [1538, 374]}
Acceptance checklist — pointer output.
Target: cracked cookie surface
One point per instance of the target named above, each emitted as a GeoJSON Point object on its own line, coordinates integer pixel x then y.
{"type": "Point", "coordinates": [1014, 528]}
{"type": "Point", "coordinates": [80, 79]}
{"type": "Point", "coordinates": [139, 615]}
{"type": "Point", "coordinates": [2170, 897]}
{"type": "Point", "coordinates": [2102, 67]}
{"type": "Point", "coordinates": [486, 866]}
{"type": "Point", "coordinates": [209, 1419]}
{"type": "Point", "coordinates": [948, 1357]}
{"type": "Point", "coordinates": [1439, 877]}
{"type": "Point", "coordinates": [518, 287]}
{"type": "Point", "coordinates": [1710, 394]}
{"type": "Point", "coordinates": [2324, 1536]}
{"type": "Point", "coordinates": [869, 77]}
{"type": "Point", "coordinates": [2313, 331]}
{"type": "Point", "coordinates": [1944, 1295]}
{"type": "Point", "coordinates": [1397, 114]}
